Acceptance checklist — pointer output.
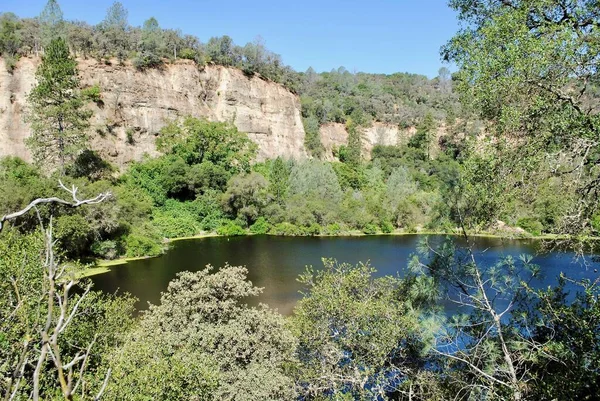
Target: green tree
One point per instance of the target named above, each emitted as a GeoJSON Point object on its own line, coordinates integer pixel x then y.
{"type": "Point", "coordinates": [354, 149]}
{"type": "Point", "coordinates": [570, 329]}
{"type": "Point", "coordinates": [203, 342]}
{"type": "Point", "coordinates": [487, 351]}
{"type": "Point", "coordinates": [422, 138]}
{"type": "Point", "coordinates": [279, 176]}
{"type": "Point", "coordinates": [196, 141]}
{"type": "Point", "coordinates": [246, 196]}
{"type": "Point", "coordinates": [114, 27]}
{"type": "Point", "coordinates": [360, 337]}
{"type": "Point", "coordinates": [52, 23]}
{"type": "Point", "coordinates": [312, 139]}
{"type": "Point", "coordinates": [56, 111]}
{"type": "Point", "coordinates": [530, 67]}
{"type": "Point", "coordinates": [152, 40]}
{"type": "Point", "coordinates": [10, 35]}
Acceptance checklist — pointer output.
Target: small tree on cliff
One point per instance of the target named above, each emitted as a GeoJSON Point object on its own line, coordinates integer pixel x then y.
{"type": "Point", "coordinates": [57, 116]}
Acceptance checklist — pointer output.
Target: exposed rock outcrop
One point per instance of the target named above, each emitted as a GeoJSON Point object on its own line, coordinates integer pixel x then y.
{"type": "Point", "coordinates": [136, 105]}
{"type": "Point", "coordinates": [333, 135]}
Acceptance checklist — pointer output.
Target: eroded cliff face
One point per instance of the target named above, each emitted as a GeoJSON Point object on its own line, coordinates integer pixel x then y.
{"type": "Point", "coordinates": [333, 135]}
{"type": "Point", "coordinates": [136, 105]}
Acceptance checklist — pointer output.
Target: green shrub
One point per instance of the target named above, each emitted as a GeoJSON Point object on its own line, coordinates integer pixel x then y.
{"type": "Point", "coordinates": [170, 226]}
{"type": "Point", "coordinates": [74, 234]}
{"type": "Point", "coordinates": [531, 225]}
{"type": "Point", "coordinates": [141, 245]}
{"type": "Point", "coordinates": [10, 62]}
{"type": "Point", "coordinates": [286, 229]}
{"type": "Point", "coordinates": [333, 229]}
{"type": "Point", "coordinates": [211, 221]}
{"type": "Point", "coordinates": [596, 222]}
{"type": "Point", "coordinates": [261, 226]}
{"type": "Point", "coordinates": [313, 229]}
{"type": "Point", "coordinates": [92, 93]}
{"type": "Point", "coordinates": [147, 60]}
{"type": "Point", "coordinates": [386, 227]}
{"type": "Point", "coordinates": [230, 229]}
{"type": "Point", "coordinates": [106, 249]}
{"type": "Point", "coordinates": [188, 54]}
{"type": "Point", "coordinates": [370, 229]}
{"type": "Point", "coordinates": [129, 136]}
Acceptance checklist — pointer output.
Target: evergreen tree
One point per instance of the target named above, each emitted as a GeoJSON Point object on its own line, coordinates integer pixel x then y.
{"type": "Point", "coordinates": [52, 23]}
{"type": "Point", "coordinates": [114, 28]}
{"type": "Point", "coordinates": [354, 149]}
{"type": "Point", "coordinates": [58, 119]}
{"type": "Point", "coordinates": [279, 178]}
{"type": "Point", "coordinates": [151, 36]}
{"type": "Point", "coordinates": [422, 139]}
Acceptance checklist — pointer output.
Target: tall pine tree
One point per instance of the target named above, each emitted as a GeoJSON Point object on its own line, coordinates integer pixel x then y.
{"type": "Point", "coordinates": [56, 113]}
{"type": "Point", "coordinates": [52, 24]}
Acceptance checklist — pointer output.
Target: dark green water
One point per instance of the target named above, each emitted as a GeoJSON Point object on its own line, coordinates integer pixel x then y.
{"type": "Point", "coordinates": [275, 262]}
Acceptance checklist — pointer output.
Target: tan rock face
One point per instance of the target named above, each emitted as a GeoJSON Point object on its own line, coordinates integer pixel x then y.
{"type": "Point", "coordinates": [136, 105]}
{"type": "Point", "coordinates": [334, 134]}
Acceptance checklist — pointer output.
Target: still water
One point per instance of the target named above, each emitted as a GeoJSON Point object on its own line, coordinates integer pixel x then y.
{"type": "Point", "coordinates": [275, 262]}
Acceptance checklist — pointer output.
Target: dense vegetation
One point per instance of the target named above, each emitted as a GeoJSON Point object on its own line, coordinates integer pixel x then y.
{"type": "Point", "coordinates": [353, 336]}
{"type": "Point", "coordinates": [205, 182]}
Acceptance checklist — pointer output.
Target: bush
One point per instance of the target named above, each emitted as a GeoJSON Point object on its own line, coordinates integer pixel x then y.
{"type": "Point", "coordinates": [211, 221]}
{"type": "Point", "coordinates": [129, 136]}
{"type": "Point", "coordinates": [596, 222]}
{"type": "Point", "coordinates": [188, 54]}
{"type": "Point", "coordinates": [386, 227]}
{"type": "Point", "coordinates": [89, 164]}
{"type": "Point", "coordinates": [333, 229]}
{"type": "Point", "coordinates": [531, 225]}
{"type": "Point", "coordinates": [286, 229]}
{"type": "Point", "coordinates": [92, 93]}
{"type": "Point", "coordinates": [10, 62]}
{"type": "Point", "coordinates": [106, 249]}
{"type": "Point", "coordinates": [313, 229]}
{"type": "Point", "coordinates": [370, 229]}
{"type": "Point", "coordinates": [261, 226]}
{"type": "Point", "coordinates": [171, 226]}
{"type": "Point", "coordinates": [141, 245]}
{"type": "Point", "coordinates": [230, 229]}
{"type": "Point", "coordinates": [74, 234]}
{"type": "Point", "coordinates": [147, 60]}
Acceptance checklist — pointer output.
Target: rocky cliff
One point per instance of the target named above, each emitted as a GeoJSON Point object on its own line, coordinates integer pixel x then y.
{"type": "Point", "coordinates": [135, 105]}
{"type": "Point", "coordinates": [334, 134]}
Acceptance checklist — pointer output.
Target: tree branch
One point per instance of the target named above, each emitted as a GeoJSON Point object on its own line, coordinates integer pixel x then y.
{"type": "Point", "coordinates": [75, 202]}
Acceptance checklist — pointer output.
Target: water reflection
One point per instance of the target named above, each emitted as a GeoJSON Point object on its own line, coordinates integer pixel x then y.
{"type": "Point", "coordinates": [274, 263]}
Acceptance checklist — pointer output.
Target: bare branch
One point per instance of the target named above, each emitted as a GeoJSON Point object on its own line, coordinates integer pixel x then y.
{"type": "Point", "coordinates": [75, 202]}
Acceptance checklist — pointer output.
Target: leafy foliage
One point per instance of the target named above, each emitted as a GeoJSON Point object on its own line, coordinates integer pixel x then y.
{"type": "Point", "coordinates": [236, 352]}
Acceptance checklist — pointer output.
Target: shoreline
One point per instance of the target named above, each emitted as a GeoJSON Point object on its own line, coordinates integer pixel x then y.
{"type": "Point", "coordinates": [104, 266]}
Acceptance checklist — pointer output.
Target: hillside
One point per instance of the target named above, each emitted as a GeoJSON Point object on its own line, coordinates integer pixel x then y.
{"type": "Point", "coordinates": [135, 104]}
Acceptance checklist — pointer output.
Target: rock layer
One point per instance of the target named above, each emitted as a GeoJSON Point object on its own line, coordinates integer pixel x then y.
{"type": "Point", "coordinates": [135, 105]}
{"type": "Point", "coordinates": [333, 135]}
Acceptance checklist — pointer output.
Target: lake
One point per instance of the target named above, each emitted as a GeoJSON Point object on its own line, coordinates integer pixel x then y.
{"type": "Point", "coordinates": [275, 262]}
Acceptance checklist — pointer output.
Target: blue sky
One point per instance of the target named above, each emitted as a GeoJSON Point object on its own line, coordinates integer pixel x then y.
{"type": "Point", "coordinates": [379, 36]}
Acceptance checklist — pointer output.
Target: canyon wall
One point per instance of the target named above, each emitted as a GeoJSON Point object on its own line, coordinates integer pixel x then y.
{"type": "Point", "coordinates": [135, 105]}
{"type": "Point", "coordinates": [333, 135]}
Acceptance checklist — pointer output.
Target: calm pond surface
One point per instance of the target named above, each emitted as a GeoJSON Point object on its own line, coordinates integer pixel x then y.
{"type": "Point", "coordinates": [275, 262]}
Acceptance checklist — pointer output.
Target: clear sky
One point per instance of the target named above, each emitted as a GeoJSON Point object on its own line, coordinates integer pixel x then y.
{"type": "Point", "coordinates": [379, 36]}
